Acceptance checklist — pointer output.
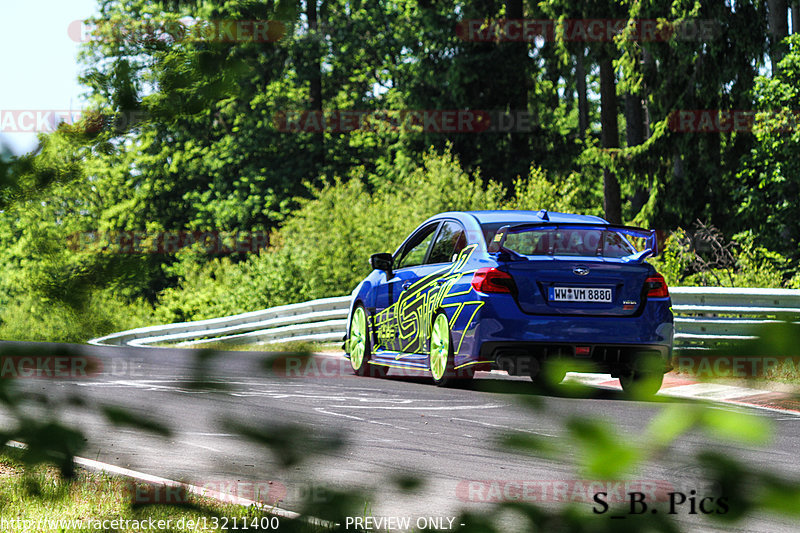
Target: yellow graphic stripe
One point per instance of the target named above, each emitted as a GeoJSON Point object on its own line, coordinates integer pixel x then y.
{"type": "Point", "coordinates": [414, 326]}
{"type": "Point", "coordinates": [470, 364]}
{"type": "Point", "coordinates": [469, 323]}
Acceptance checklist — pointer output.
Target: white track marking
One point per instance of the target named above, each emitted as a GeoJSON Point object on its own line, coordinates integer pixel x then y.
{"type": "Point", "coordinates": [487, 424]}
{"type": "Point", "coordinates": [326, 412]}
{"type": "Point", "coordinates": [209, 448]}
{"type": "Point", "coordinates": [424, 408]}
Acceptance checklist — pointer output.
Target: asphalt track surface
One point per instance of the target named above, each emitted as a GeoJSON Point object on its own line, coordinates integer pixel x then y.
{"type": "Point", "coordinates": [393, 427]}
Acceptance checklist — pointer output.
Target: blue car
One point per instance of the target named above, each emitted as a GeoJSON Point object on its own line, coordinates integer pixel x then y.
{"type": "Point", "coordinates": [531, 293]}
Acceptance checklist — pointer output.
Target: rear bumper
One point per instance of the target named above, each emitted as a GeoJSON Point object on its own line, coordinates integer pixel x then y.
{"type": "Point", "coordinates": [502, 327]}
{"type": "Point", "coordinates": [518, 358]}
{"type": "Point", "coordinates": [502, 320]}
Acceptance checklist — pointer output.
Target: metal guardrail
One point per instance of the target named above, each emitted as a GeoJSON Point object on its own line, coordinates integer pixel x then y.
{"type": "Point", "coordinates": [323, 320]}
{"type": "Point", "coordinates": [704, 317]}
{"type": "Point", "coordinates": [708, 316]}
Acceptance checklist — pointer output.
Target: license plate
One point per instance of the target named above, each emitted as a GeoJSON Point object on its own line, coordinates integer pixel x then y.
{"type": "Point", "coordinates": [579, 294]}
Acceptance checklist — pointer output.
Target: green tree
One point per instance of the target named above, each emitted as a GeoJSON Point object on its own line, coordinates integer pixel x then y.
{"type": "Point", "coordinates": [708, 64]}
{"type": "Point", "coordinates": [769, 177]}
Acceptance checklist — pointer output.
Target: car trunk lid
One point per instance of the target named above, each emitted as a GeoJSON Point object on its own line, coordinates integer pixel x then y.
{"type": "Point", "coordinates": [579, 286]}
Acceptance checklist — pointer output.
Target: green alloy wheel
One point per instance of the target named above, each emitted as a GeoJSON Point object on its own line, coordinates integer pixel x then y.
{"type": "Point", "coordinates": [359, 345]}
{"type": "Point", "coordinates": [440, 359]}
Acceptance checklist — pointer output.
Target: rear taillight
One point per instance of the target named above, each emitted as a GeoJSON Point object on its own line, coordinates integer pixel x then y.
{"type": "Point", "coordinates": [489, 279]}
{"type": "Point", "coordinates": [656, 287]}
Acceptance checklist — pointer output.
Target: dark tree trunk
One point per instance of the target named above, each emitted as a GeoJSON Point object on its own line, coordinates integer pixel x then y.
{"type": "Point", "coordinates": [612, 203]}
{"type": "Point", "coordinates": [634, 136]}
{"type": "Point", "coordinates": [795, 17]}
{"type": "Point", "coordinates": [678, 171]}
{"type": "Point", "coordinates": [517, 98]}
{"type": "Point", "coordinates": [583, 100]}
{"type": "Point", "coordinates": [315, 88]}
{"type": "Point", "coordinates": [518, 52]}
{"type": "Point", "coordinates": [513, 9]}
{"type": "Point", "coordinates": [778, 16]}
{"type": "Point", "coordinates": [634, 120]}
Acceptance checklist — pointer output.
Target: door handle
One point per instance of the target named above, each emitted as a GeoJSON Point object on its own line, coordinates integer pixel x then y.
{"type": "Point", "coordinates": [406, 285]}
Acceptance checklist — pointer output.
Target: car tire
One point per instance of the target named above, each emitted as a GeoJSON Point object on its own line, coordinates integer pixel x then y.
{"type": "Point", "coordinates": [441, 361]}
{"type": "Point", "coordinates": [360, 346]}
{"type": "Point", "coordinates": [547, 373]}
{"type": "Point", "coordinates": [644, 378]}
{"type": "Point", "coordinates": [641, 385]}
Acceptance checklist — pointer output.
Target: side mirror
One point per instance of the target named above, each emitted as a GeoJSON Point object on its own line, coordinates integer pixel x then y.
{"type": "Point", "coordinates": [382, 261]}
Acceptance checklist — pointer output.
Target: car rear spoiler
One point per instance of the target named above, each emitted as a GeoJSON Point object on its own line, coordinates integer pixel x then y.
{"type": "Point", "coordinates": [651, 240]}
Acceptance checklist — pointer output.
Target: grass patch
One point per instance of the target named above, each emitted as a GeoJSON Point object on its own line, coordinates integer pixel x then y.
{"type": "Point", "coordinates": [37, 498]}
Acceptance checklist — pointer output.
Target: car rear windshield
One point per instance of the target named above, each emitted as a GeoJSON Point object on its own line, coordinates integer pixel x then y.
{"type": "Point", "coordinates": [564, 241]}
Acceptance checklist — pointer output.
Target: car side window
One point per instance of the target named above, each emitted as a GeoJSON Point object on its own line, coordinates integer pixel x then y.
{"type": "Point", "coordinates": [413, 252]}
{"type": "Point", "coordinates": [449, 242]}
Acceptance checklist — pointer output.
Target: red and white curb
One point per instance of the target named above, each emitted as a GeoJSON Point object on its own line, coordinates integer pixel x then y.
{"type": "Point", "coordinates": [684, 387]}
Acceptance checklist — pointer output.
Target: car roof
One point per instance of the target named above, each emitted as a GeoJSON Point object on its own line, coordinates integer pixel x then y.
{"type": "Point", "coordinates": [518, 216]}
{"type": "Point", "coordinates": [473, 220]}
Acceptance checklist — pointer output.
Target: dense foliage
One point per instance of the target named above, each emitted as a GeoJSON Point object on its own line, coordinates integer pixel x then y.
{"type": "Point", "coordinates": [189, 134]}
